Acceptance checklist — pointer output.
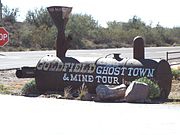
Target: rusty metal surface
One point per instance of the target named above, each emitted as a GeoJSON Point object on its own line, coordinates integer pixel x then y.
{"type": "Point", "coordinates": [173, 57]}
{"type": "Point", "coordinates": [55, 74]}
{"type": "Point", "coordinates": [49, 74]}
{"type": "Point", "coordinates": [138, 48]}
{"type": "Point", "coordinates": [26, 72]}
{"type": "Point", "coordinates": [164, 78]}
{"type": "Point", "coordinates": [60, 15]}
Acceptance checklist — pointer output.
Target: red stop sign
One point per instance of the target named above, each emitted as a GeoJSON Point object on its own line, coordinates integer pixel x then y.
{"type": "Point", "coordinates": [4, 36]}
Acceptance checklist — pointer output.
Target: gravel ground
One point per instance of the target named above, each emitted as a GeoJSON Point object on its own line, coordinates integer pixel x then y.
{"type": "Point", "coordinates": [175, 90]}
{"type": "Point", "coordinates": [8, 79]}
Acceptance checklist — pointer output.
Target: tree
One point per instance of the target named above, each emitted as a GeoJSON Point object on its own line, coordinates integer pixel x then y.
{"type": "Point", "coordinates": [40, 33]}
{"type": "Point", "coordinates": [116, 32]}
{"type": "Point", "coordinates": [174, 35]}
{"type": "Point", "coordinates": [134, 23]}
{"type": "Point", "coordinates": [39, 17]}
{"type": "Point", "coordinates": [10, 15]}
{"type": "Point", "coordinates": [81, 26]}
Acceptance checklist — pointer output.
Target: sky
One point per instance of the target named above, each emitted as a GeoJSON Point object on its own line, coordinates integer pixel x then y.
{"type": "Point", "coordinates": [164, 12]}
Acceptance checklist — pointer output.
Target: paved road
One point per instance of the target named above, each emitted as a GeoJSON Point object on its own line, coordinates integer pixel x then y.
{"type": "Point", "coordinates": [19, 59]}
{"type": "Point", "coordinates": [42, 116]}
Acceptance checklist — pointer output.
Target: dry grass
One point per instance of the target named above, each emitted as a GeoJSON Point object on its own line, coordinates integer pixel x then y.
{"type": "Point", "coordinates": [68, 93]}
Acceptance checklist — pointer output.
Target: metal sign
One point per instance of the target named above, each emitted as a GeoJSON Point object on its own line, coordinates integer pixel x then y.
{"type": "Point", "coordinates": [4, 36]}
{"type": "Point", "coordinates": [57, 73]}
{"type": "Point", "coordinates": [94, 73]}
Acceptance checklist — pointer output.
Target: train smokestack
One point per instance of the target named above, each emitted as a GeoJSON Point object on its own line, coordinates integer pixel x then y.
{"type": "Point", "coordinates": [60, 15]}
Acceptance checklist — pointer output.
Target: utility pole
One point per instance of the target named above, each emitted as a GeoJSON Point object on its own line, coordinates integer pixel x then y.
{"type": "Point", "coordinates": [0, 10]}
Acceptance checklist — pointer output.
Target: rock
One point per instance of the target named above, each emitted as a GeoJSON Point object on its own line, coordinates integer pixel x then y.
{"type": "Point", "coordinates": [137, 92]}
{"type": "Point", "coordinates": [118, 87]}
{"type": "Point", "coordinates": [110, 93]}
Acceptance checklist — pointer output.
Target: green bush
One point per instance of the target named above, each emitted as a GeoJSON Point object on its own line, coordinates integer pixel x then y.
{"type": "Point", "coordinates": [30, 88]}
{"type": "Point", "coordinates": [3, 89]}
{"type": "Point", "coordinates": [175, 73]}
{"type": "Point", "coordinates": [154, 90]}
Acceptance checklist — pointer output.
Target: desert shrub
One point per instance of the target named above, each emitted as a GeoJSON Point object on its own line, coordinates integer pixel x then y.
{"type": "Point", "coordinates": [154, 90]}
{"type": "Point", "coordinates": [68, 92]}
{"type": "Point", "coordinates": [175, 73]}
{"type": "Point", "coordinates": [83, 91]}
{"type": "Point", "coordinates": [30, 88]}
{"type": "Point", "coordinates": [4, 89]}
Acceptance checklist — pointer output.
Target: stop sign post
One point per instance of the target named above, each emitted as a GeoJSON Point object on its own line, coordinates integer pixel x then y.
{"type": "Point", "coordinates": [4, 36]}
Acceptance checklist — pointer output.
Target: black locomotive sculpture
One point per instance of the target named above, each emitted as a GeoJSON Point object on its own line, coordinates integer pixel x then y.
{"type": "Point", "coordinates": [58, 72]}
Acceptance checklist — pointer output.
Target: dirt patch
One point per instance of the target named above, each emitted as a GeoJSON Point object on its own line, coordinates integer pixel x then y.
{"type": "Point", "coordinates": [9, 80]}
{"type": "Point", "coordinates": [175, 86]}
{"type": "Point", "coordinates": [175, 90]}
